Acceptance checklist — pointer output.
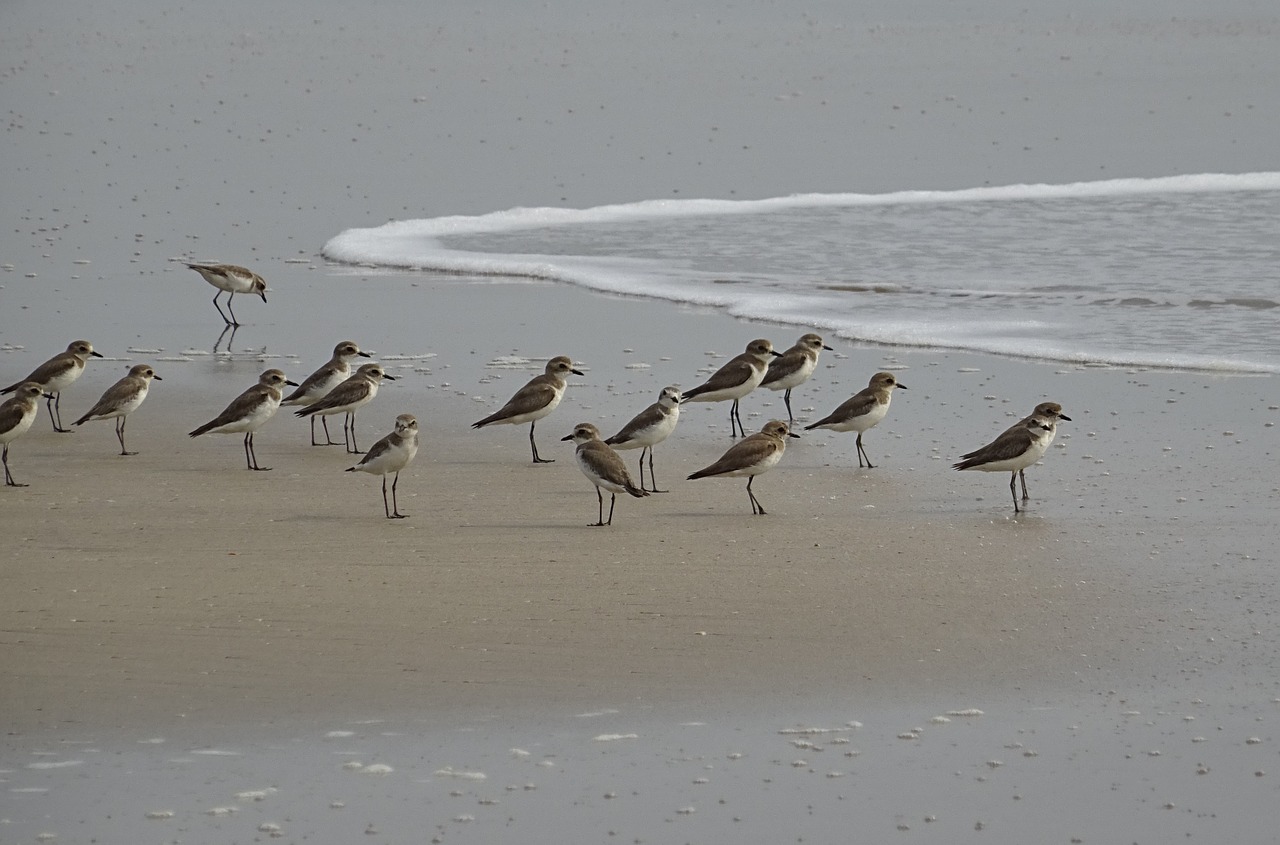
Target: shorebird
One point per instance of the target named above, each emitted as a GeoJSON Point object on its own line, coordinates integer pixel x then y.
{"type": "Point", "coordinates": [232, 279]}
{"type": "Point", "coordinates": [750, 457]}
{"type": "Point", "coordinates": [319, 384]}
{"type": "Point", "coordinates": [248, 412]}
{"type": "Point", "coordinates": [122, 399]}
{"type": "Point", "coordinates": [793, 368]}
{"type": "Point", "coordinates": [1020, 446]}
{"type": "Point", "coordinates": [603, 467]}
{"type": "Point", "coordinates": [734, 380]}
{"type": "Point", "coordinates": [57, 373]}
{"type": "Point", "coordinates": [349, 396]}
{"type": "Point", "coordinates": [534, 401]}
{"type": "Point", "coordinates": [391, 454]}
{"type": "Point", "coordinates": [649, 428]}
{"type": "Point", "coordinates": [17, 413]}
{"type": "Point", "coordinates": [862, 410]}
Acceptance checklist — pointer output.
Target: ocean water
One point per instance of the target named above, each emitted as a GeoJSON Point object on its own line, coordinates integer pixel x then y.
{"type": "Point", "coordinates": [1179, 273]}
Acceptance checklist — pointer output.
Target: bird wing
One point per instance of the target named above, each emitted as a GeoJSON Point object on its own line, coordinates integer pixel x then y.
{"type": "Point", "coordinates": [1010, 444]}
{"type": "Point", "coordinates": [731, 374]}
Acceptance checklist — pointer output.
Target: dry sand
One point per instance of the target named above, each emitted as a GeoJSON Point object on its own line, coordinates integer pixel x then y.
{"type": "Point", "coordinates": [195, 651]}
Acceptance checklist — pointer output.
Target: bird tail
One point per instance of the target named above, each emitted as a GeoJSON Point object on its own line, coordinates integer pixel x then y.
{"type": "Point", "coordinates": [636, 491]}
{"type": "Point", "coordinates": [201, 430]}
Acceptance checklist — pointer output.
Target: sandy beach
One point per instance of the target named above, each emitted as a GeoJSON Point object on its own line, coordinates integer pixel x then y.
{"type": "Point", "coordinates": [691, 668]}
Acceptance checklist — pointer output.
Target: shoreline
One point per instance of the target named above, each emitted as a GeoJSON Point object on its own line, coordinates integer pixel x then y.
{"type": "Point", "coordinates": [202, 588]}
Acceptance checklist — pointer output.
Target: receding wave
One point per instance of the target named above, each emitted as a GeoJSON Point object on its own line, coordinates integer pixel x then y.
{"type": "Point", "coordinates": [431, 245]}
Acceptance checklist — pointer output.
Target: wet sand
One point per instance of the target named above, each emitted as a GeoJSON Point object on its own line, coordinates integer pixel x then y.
{"type": "Point", "coordinates": [182, 637]}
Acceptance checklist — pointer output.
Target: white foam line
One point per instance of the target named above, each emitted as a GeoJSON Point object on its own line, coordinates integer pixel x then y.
{"type": "Point", "coordinates": [532, 218]}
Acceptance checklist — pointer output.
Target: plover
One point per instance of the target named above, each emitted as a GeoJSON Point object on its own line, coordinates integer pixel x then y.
{"type": "Point", "coordinates": [249, 412]}
{"type": "Point", "coordinates": [349, 396]}
{"type": "Point", "coordinates": [232, 279]}
{"type": "Point", "coordinates": [734, 380]}
{"type": "Point", "coordinates": [318, 385]}
{"type": "Point", "coordinates": [751, 457]}
{"type": "Point", "coordinates": [793, 368]}
{"type": "Point", "coordinates": [17, 413]}
{"type": "Point", "coordinates": [1020, 446]}
{"type": "Point", "coordinates": [603, 467]}
{"type": "Point", "coordinates": [122, 399]}
{"type": "Point", "coordinates": [57, 373]}
{"type": "Point", "coordinates": [391, 454]}
{"type": "Point", "coordinates": [862, 410]}
{"type": "Point", "coordinates": [649, 428]}
{"type": "Point", "coordinates": [534, 401]}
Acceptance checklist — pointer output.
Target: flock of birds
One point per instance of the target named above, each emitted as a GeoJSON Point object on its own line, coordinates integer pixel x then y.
{"type": "Point", "coordinates": [335, 389]}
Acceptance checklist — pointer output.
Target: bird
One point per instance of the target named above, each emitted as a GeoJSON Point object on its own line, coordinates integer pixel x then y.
{"type": "Point", "coordinates": [349, 396]}
{"type": "Point", "coordinates": [649, 428]}
{"type": "Point", "coordinates": [534, 401]}
{"type": "Point", "coordinates": [233, 279]}
{"type": "Point", "coordinates": [17, 413]}
{"type": "Point", "coordinates": [793, 368]}
{"type": "Point", "coordinates": [862, 410]}
{"type": "Point", "coordinates": [1018, 447]}
{"type": "Point", "coordinates": [57, 373]}
{"type": "Point", "coordinates": [249, 411]}
{"type": "Point", "coordinates": [392, 454]}
{"type": "Point", "coordinates": [318, 385]}
{"type": "Point", "coordinates": [603, 467]}
{"type": "Point", "coordinates": [734, 380]}
{"type": "Point", "coordinates": [122, 399]}
{"type": "Point", "coordinates": [751, 456]}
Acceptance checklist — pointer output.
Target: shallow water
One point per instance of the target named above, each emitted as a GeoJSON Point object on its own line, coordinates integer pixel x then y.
{"type": "Point", "coordinates": [1117, 272]}
{"type": "Point", "coordinates": [1110, 770]}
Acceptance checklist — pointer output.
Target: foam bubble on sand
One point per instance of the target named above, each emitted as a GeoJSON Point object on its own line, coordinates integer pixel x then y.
{"type": "Point", "coordinates": [55, 764]}
{"type": "Point", "coordinates": [160, 814]}
{"type": "Point", "coordinates": [256, 794]}
{"type": "Point", "coordinates": [339, 734]}
{"type": "Point", "coordinates": [520, 753]}
{"type": "Point", "coordinates": [451, 772]}
{"type": "Point", "coordinates": [221, 811]}
{"type": "Point", "coordinates": [509, 362]}
{"type": "Point", "coordinates": [155, 740]}
{"type": "Point", "coordinates": [593, 714]}
{"type": "Point", "coordinates": [377, 769]}
{"type": "Point", "coordinates": [615, 737]}
{"type": "Point", "coordinates": [971, 711]}
{"type": "Point", "coordinates": [216, 752]}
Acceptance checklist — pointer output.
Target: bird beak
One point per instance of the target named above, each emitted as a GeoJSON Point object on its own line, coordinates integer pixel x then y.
{"type": "Point", "coordinates": [901, 386]}
{"type": "Point", "coordinates": [828, 348]}
{"type": "Point", "coordinates": [364, 354]}
{"type": "Point", "coordinates": [48, 396]}
{"type": "Point", "coordinates": [775, 353]}
{"type": "Point", "coordinates": [387, 375]}
{"type": "Point", "coordinates": [793, 434]}
{"type": "Point", "coordinates": [157, 378]}
{"type": "Point", "coordinates": [578, 372]}
{"type": "Point", "coordinates": [96, 354]}
{"type": "Point", "coordinates": [566, 437]}
{"type": "Point", "coordinates": [1064, 417]}
{"type": "Point", "coordinates": [293, 383]}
